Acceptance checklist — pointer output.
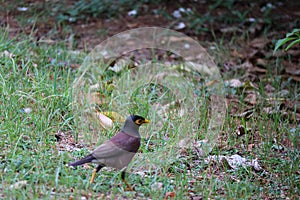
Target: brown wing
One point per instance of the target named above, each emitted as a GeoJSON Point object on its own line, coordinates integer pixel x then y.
{"type": "Point", "coordinates": [116, 146]}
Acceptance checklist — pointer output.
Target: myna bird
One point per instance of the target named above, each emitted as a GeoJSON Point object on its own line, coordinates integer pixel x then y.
{"type": "Point", "coordinates": [119, 150]}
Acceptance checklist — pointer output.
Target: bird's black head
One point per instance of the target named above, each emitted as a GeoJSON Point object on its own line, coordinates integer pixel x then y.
{"type": "Point", "coordinates": [138, 120]}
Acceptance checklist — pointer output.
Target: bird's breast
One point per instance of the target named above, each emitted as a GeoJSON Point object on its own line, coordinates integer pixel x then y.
{"type": "Point", "coordinates": [126, 142]}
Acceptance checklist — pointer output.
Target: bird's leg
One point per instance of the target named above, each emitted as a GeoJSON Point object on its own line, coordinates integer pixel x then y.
{"type": "Point", "coordinates": [94, 173]}
{"type": "Point", "coordinates": [123, 174]}
{"type": "Point", "coordinates": [93, 176]}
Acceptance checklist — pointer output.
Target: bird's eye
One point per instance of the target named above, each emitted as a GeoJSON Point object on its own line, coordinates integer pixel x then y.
{"type": "Point", "coordinates": [138, 121]}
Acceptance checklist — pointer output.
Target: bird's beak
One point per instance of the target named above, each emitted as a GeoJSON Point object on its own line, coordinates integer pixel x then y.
{"type": "Point", "coordinates": [146, 121]}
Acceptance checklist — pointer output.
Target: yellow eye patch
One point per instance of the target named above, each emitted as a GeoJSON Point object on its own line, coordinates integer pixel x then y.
{"type": "Point", "coordinates": [138, 121]}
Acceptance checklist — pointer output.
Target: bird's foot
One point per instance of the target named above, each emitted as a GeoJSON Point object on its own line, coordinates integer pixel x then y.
{"type": "Point", "coordinates": [129, 187]}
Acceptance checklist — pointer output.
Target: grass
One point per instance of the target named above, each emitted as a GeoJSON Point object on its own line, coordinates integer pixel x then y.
{"type": "Point", "coordinates": [40, 77]}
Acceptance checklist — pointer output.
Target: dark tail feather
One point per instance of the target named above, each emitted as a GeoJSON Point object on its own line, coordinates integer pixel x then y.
{"type": "Point", "coordinates": [87, 159]}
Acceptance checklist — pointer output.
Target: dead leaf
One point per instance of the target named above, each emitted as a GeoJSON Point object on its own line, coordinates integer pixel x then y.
{"type": "Point", "coordinates": [183, 143]}
{"type": "Point", "coordinates": [234, 104]}
{"type": "Point", "coordinates": [234, 83]}
{"type": "Point", "coordinates": [297, 117]}
{"type": "Point", "coordinates": [95, 86]}
{"type": "Point", "coordinates": [291, 68]}
{"type": "Point", "coordinates": [6, 53]}
{"type": "Point", "coordinates": [234, 179]}
{"type": "Point", "coordinates": [170, 194]}
{"type": "Point", "coordinates": [259, 43]}
{"type": "Point", "coordinates": [246, 65]}
{"type": "Point", "coordinates": [26, 110]}
{"type": "Point", "coordinates": [211, 83]}
{"type": "Point", "coordinates": [277, 147]}
{"type": "Point", "coordinates": [105, 121]}
{"type": "Point", "coordinates": [229, 65]}
{"type": "Point", "coordinates": [292, 105]}
{"type": "Point", "coordinates": [295, 78]}
{"type": "Point", "coordinates": [254, 163]}
{"type": "Point", "coordinates": [270, 110]}
{"type": "Point", "coordinates": [235, 161]}
{"type": "Point", "coordinates": [251, 98]}
{"type": "Point", "coordinates": [257, 27]}
{"type": "Point", "coordinates": [249, 53]}
{"type": "Point", "coordinates": [157, 186]}
{"type": "Point", "coordinates": [179, 26]}
{"type": "Point", "coordinates": [261, 62]}
{"type": "Point", "coordinates": [114, 116]}
{"type": "Point", "coordinates": [250, 146]}
{"type": "Point", "coordinates": [284, 53]}
{"type": "Point", "coordinates": [18, 185]}
{"type": "Point", "coordinates": [132, 25]}
{"type": "Point", "coordinates": [47, 41]}
{"type": "Point", "coordinates": [269, 88]}
{"type": "Point", "coordinates": [236, 54]}
{"type": "Point", "coordinates": [258, 69]}
{"type": "Point", "coordinates": [96, 98]}
{"type": "Point", "coordinates": [231, 29]}
{"type": "Point", "coordinates": [240, 130]}
{"type": "Point", "coordinates": [247, 114]}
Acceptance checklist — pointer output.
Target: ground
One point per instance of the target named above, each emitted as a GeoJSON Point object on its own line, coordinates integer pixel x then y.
{"type": "Point", "coordinates": [42, 47]}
